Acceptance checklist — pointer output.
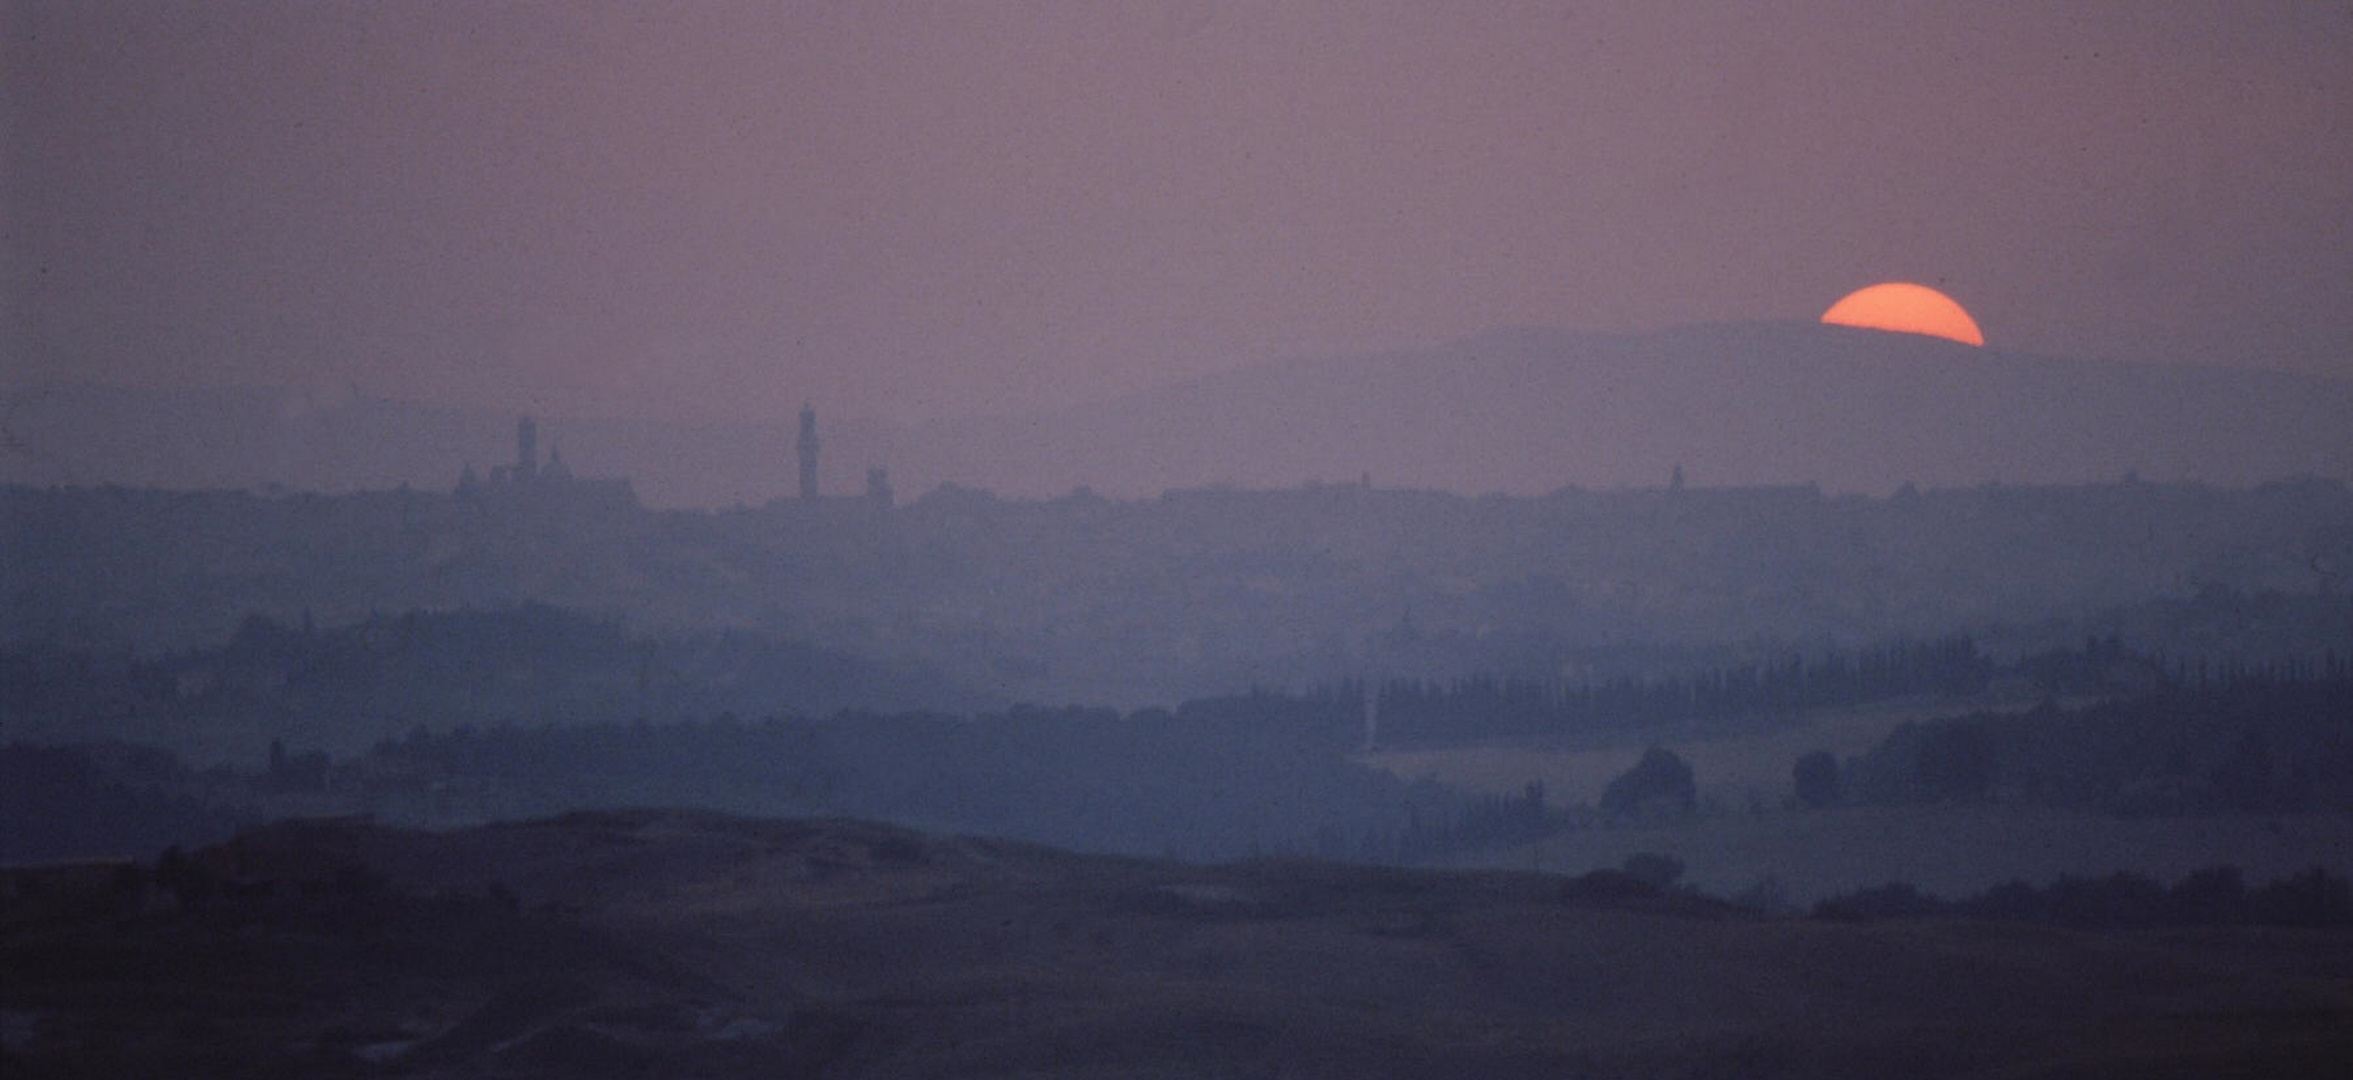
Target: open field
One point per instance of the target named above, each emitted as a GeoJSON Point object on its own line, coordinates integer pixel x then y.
{"type": "Point", "coordinates": [1727, 766]}
{"type": "Point", "coordinates": [644, 944]}
{"type": "Point", "coordinates": [1949, 851]}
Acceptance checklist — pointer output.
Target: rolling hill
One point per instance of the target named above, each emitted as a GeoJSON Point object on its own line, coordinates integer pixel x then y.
{"type": "Point", "coordinates": [663, 943]}
{"type": "Point", "coordinates": [1531, 411]}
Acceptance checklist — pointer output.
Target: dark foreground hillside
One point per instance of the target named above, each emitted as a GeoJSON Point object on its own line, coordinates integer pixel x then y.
{"type": "Point", "coordinates": [672, 944]}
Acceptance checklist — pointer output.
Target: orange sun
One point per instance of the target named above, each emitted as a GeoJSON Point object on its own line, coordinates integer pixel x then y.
{"type": "Point", "coordinates": [1906, 309]}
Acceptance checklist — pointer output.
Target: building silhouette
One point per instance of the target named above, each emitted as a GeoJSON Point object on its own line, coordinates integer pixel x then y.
{"type": "Point", "coordinates": [528, 484]}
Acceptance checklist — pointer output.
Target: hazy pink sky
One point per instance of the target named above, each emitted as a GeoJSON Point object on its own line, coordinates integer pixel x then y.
{"type": "Point", "coordinates": [910, 209]}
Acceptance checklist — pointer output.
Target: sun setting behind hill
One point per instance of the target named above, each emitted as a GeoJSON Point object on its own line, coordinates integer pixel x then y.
{"type": "Point", "coordinates": [1902, 307]}
{"type": "Point", "coordinates": [784, 538]}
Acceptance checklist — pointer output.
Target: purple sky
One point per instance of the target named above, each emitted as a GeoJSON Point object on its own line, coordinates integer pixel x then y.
{"type": "Point", "coordinates": [905, 210]}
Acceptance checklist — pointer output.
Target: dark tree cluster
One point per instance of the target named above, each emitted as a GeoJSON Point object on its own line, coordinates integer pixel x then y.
{"type": "Point", "coordinates": [1817, 780]}
{"type": "Point", "coordinates": [1658, 787]}
{"type": "Point", "coordinates": [2250, 745]}
{"type": "Point", "coordinates": [1493, 821]}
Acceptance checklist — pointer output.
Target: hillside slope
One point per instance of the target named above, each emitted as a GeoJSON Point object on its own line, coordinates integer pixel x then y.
{"type": "Point", "coordinates": [631, 944]}
{"type": "Point", "coordinates": [1530, 411]}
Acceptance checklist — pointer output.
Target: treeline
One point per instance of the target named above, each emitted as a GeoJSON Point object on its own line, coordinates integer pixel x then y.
{"type": "Point", "coordinates": [2216, 896]}
{"type": "Point", "coordinates": [344, 688]}
{"type": "Point", "coordinates": [1213, 779]}
{"type": "Point", "coordinates": [2105, 666]}
{"type": "Point", "coordinates": [2250, 745]}
{"type": "Point", "coordinates": [1426, 713]}
{"type": "Point", "coordinates": [1218, 778]}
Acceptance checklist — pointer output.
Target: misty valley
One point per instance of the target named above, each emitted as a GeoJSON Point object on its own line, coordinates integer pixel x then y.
{"type": "Point", "coordinates": [643, 539]}
{"type": "Point", "coordinates": [526, 779]}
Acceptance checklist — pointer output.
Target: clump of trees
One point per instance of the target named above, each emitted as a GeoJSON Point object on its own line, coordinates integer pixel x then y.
{"type": "Point", "coordinates": [2250, 745]}
{"type": "Point", "coordinates": [1817, 780]}
{"type": "Point", "coordinates": [1660, 786]}
{"type": "Point", "coordinates": [1647, 881]}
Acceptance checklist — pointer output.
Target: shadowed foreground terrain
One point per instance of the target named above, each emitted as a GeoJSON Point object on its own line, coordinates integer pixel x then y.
{"type": "Point", "coordinates": [677, 944]}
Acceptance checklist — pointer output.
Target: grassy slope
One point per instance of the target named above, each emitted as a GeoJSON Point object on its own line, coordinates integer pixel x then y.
{"type": "Point", "coordinates": [1950, 851]}
{"type": "Point", "coordinates": [645, 944]}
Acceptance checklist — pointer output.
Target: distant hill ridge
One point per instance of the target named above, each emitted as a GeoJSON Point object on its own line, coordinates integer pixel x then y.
{"type": "Point", "coordinates": [1528, 411]}
{"type": "Point", "coordinates": [1521, 411]}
